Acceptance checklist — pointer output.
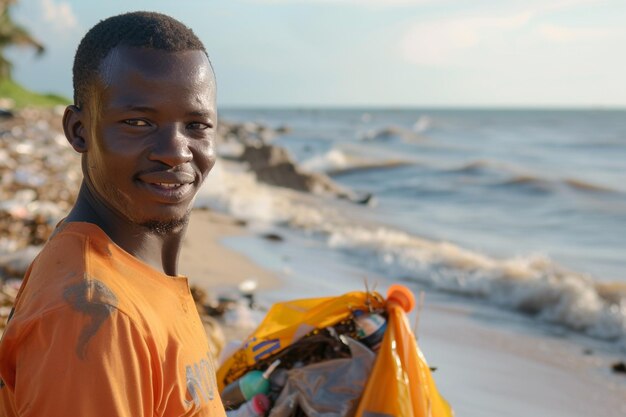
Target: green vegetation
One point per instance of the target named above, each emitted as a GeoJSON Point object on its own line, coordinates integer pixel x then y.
{"type": "Point", "coordinates": [11, 35]}
{"type": "Point", "coordinates": [24, 97]}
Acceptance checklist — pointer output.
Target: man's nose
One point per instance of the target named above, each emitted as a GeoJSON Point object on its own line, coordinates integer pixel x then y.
{"type": "Point", "coordinates": [171, 146]}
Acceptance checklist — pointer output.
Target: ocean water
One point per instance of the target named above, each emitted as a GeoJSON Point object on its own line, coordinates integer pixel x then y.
{"type": "Point", "coordinates": [523, 209]}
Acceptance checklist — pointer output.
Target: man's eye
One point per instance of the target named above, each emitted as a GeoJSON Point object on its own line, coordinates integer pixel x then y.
{"type": "Point", "coordinates": [199, 126]}
{"type": "Point", "coordinates": [135, 122]}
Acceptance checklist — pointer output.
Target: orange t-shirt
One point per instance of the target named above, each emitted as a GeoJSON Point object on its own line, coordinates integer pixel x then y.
{"type": "Point", "coordinates": [97, 332]}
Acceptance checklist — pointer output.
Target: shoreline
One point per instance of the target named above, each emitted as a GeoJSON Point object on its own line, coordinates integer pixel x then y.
{"type": "Point", "coordinates": [211, 265]}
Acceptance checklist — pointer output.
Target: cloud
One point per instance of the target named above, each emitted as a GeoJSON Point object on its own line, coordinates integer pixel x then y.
{"type": "Point", "coordinates": [450, 40]}
{"type": "Point", "coordinates": [439, 42]}
{"type": "Point", "coordinates": [554, 5]}
{"type": "Point", "coordinates": [59, 14]}
{"type": "Point", "coordinates": [564, 34]}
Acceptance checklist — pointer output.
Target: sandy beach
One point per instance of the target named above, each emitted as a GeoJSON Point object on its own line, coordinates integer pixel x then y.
{"type": "Point", "coordinates": [210, 265]}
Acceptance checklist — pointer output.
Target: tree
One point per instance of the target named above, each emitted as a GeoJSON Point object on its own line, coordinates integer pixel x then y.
{"type": "Point", "coordinates": [12, 34]}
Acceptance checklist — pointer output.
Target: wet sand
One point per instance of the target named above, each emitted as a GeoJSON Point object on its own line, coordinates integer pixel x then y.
{"type": "Point", "coordinates": [212, 266]}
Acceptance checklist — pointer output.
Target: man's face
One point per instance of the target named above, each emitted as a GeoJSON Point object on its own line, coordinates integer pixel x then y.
{"type": "Point", "coordinates": [152, 133]}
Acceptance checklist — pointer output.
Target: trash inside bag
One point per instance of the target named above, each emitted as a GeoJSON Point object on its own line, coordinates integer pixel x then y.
{"type": "Point", "coordinates": [352, 355]}
{"type": "Point", "coordinates": [330, 387]}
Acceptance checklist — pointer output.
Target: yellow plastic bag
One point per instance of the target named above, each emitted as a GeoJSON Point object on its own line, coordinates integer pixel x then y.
{"type": "Point", "coordinates": [400, 383]}
{"type": "Point", "coordinates": [401, 373]}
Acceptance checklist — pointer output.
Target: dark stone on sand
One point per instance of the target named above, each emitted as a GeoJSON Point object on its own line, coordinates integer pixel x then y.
{"type": "Point", "coordinates": [241, 222]}
{"type": "Point", "coordinates": [619, 367]}
{"type": "Point", "coordinates": [273, 237]}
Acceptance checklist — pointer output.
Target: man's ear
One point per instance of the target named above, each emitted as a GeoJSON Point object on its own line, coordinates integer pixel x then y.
{"type": "Point", "coordinates": [75, 129]}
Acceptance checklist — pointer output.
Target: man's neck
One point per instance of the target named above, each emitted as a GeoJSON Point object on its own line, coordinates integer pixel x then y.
{"type": "Point", "coordinates": [160, 250]}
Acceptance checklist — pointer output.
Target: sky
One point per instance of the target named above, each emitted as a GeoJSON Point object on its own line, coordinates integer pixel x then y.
{"type": "Point", "coordinates": [370, 53]}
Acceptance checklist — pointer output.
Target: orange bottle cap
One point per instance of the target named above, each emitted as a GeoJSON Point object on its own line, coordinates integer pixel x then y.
{"type": "Point", "coordinates": [402, 296]}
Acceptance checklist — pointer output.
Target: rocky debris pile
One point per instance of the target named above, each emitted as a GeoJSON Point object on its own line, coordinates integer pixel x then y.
{"type": "Point", "coordinates": [39, 177]}
{"type": "Point", "coordinates": [273, 165]}
{"type": "Point", "coordinates": [249, 133]}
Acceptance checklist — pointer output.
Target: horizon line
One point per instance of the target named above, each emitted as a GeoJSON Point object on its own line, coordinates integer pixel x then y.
{"type": "Point", "coordinates": [543, 107]}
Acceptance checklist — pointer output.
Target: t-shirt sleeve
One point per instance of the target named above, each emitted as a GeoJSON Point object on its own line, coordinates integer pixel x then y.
{"type": "Point", "coordinates": [72, 364]}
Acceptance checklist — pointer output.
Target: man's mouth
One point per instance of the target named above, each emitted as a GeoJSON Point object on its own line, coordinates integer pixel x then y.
{"type": "Point", "coordinates": [166, 185]}
{"type": "Point", "coordinates": [169, 187]}
{"type": "Point", "coordinates": [167, 179]}
{"type": "Point", "coordinates": [169, 192]}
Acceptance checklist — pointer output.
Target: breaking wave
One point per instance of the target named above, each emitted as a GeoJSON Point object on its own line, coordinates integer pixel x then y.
{"type": "Point", "coordinates": [532, 284]}
{"type": "Point", "coordinates": [529, 181]}
{"type": "Point", "coordinates": [545, 184]}
{"type": "Point", "coordinates": [335, 162]}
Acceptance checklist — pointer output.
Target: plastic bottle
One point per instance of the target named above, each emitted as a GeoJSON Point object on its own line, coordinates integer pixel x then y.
{"type": "Point", "coordinates": [253, 383]}
{"type": "Point", "coordinates": [370, 328]}
{"type": "Point", "coordinates": [256, 407]}
{"type": "Point", "coordinates": [278, 380]}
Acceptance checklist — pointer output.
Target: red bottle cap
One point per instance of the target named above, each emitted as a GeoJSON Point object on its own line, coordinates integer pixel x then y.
{"type": "Point", "coordinates": [402, 296]}
{"type": "Point", "coordinates": [261, 403]}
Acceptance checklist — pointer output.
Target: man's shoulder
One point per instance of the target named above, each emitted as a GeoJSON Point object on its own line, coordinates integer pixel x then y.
{"type": "Point", "coordinates": [62, 260]}
{"type": "Point", "coordinates": [62, 275]}
{"type": "Point", "coordinates": [72, 250]}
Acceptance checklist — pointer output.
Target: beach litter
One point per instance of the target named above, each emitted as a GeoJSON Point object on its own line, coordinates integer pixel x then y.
{"type": "Point", "coordinates": [335, 356]}
{"type": "Point", "coordinates": [39, 177]}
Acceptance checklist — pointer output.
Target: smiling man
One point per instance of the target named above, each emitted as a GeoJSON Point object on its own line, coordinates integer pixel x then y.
{"type": "Point", "coordinates": [103, 324]}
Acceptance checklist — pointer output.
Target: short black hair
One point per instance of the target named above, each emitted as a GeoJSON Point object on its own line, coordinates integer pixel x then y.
{"type": "Point", "coordinates": [136, 29]}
